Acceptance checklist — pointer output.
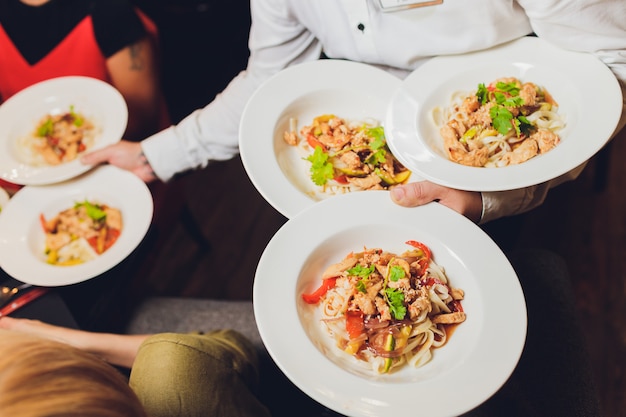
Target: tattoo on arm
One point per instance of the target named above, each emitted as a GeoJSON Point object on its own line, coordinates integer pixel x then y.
{"type": "Point", "coordinates": [136, 63]}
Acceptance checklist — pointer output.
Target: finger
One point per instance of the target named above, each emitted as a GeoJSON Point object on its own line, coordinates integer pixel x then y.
{"type": "Point", "coordinates": [416, 193]}
{"type": "Point", "coordinates": [97, 157]}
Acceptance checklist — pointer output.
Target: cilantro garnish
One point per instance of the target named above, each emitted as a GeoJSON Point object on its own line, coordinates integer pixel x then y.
{"type": "Point", "coordinates": [93, 211]}
{"type": "Point", "coordinates": [78, 121]}
{"type": "Point", "coordinates": [505, 96]}
{"type": "Point", "coordinates": [395, 299]}
{"type": "Point", "coordinates": [396, 272]}
{"type": "Point", "coordinates": [361, 271]}
{"type": "Point", "coordinates": [46, 128]}
{"type": "Point", "coordinates": [378, 135]}
{"type": "Point", "coordinates": [321, 170]}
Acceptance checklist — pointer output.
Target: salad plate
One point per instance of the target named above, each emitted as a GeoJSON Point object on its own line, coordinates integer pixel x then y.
{"type": "Point", "coordinates": [99, 103]}
{"type": "Point", "coordinates": [350, 90]}
{"type": "Point", "coordinates": [22, 238]}
{"type": "Point", "coordinates": [588, 96]}
{"type": "Point", "coordinates": [300, 345]}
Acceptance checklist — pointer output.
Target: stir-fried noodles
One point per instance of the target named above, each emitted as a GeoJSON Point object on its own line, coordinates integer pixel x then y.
{"type": "Point", "coordinates": [81, 233]}
{"type": "Point", "coordinates": [388, 310]}
{"type": "Point", "coordinates": [347, 156]}
{"type": "Point", "coordinates": [503, 123]}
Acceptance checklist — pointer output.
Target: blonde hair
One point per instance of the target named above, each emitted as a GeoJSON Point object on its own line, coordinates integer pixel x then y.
{"type": "Point", "coordinates": [44, 378]}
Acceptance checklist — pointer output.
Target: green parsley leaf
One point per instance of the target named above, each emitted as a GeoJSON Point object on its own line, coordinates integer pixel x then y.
{"type": "Point", "coordinates": [377, 157]}
{"type": "Point", "coordinates": [395, 299]}
{"type": "Point", "coordinates": [378, 135]}
{"type": "Point", "coordinates": [78, 120]}
{"type": "Point", "coordinates": [361, 271]}
{"type": "Point", "coordinates": [396, 272]}
{"type": "Point", "coordinates": [46, 128]}
{"type": "Point", "coordinates": [360, 286]}
{"type": "Point", "coordinates": [501, 119]}
{"type": "Point", "coordinates": [321, 170]}
{"type": "Point", "coordinates": [482, 93]}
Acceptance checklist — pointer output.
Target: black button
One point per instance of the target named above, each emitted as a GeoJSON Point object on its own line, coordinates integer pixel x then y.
{"type": "Point", "coordinates": [361, 27]}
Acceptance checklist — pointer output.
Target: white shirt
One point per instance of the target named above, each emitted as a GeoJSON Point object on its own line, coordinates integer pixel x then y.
{"type": "Point", "coordinates": [287, 32]}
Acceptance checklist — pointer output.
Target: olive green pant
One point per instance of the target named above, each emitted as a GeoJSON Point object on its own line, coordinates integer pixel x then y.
{"type": "Point", "coordinates": [213, 374]}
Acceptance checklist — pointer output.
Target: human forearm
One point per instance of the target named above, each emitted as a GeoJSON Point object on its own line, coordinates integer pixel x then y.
{"type": "Point", "coordinates": [116, 349]}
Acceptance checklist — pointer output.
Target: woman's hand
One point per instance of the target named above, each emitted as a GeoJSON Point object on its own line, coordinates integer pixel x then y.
{"type": "Point", "coordinates": [468, 203]}
{"type": "Point", "coordinates": [43, 330]}
{"type": "Point", "coordinates": [123, 154]}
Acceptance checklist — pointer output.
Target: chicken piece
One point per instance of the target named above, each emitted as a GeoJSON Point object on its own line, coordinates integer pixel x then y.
{"type": "Point", "coordinates": [422, 303]}
{"type": "Point", "coordinates": [528, 93]}
{"type": "Point", "coordinates": [546, 139]}
{"type": "Point", "coordinates": [71, 152]}
{"type": "Point", "coordinates": [371, 182]}
{"type": "Point", "coordinates": [475, 158]}
{"type": "Point", "coordinates": [55, 241]}
{"type": "Point", "coordinates": [470, 104]}
{"type": "Point", "coordinates": [49, 155]}
{"type": "Point", "coordinates": [522, 153]}
{"type": "Point", "coordinates": [481, 116]}
{"type": "Point", "coordinates": [337, 269]}
{"type": "Point", "coordinates": [352, 160]}
{"type": "Point", "coordinates": [291, 138]}
{"type": "Point", "coordinates": [383, 309]}
{"type": "Point", "coordinates": [449, 318]}
{"type": "Point", "coordinates": [365, 303]}
{"type": "Point", "coordinates": [113, 218]}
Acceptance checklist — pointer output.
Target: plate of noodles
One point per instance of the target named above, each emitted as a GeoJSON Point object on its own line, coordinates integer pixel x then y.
{"type": "Point", "coordinates": [429, 308]}
{"type": "Point", "coordinates": [61, 234]}
{"type": "Point", "coordinates": [46, 127]}
{"type": "Point", "coordinates": [509, 117]}
{"type": "Point", "coordinates": [316, 130]}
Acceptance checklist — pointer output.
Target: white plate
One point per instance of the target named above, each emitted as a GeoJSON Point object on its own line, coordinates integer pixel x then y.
{"type": "Point", "coordinates": [4, 199]}
{"type": "Point", "coordinates": [22, 238]}
{"type": "Point", "coordinates": [95, 99]}
{"type": "Point", "coordinates": [323, 234]}
{"type": "Point", "coordinates": [588, 94]}
{"type": "Point", "coordinates": [350, 90]}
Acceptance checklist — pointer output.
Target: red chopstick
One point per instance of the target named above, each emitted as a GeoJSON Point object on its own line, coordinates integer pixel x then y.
{"type": "Point", "coordinates": [22, 300]}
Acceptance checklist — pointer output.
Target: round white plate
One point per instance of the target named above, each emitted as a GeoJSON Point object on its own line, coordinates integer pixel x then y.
{"type": "Point", "coordinates": [96, 100]}
{"type": "Point", "coordinates": [350, 90]}
{"type": "Point", "coordinates": [4, 199]}
{"type": "Point", "coordinates": [22, 239]}
{"type": "Point", "coordinates": [324, 234]}
{"type": "Point", "coordinates": [587, 92]}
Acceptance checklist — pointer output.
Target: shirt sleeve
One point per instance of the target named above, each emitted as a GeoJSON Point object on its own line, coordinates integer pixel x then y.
{"type": "Point", "coordinates": [276, 41]}
{"type": "Point", "coordinates": [116, 25]}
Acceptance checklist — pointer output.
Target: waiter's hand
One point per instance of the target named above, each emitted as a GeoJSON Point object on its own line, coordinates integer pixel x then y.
{"type": "Point", "coordinates": [468, 203]}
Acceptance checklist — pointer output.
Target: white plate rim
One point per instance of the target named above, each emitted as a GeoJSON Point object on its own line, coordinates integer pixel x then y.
{"type": "Point", "coordinates": [122, 189]}
{"type": "Point", "coordinates": [289, 346]}
{"type": "Point", "coordinates": [594, 80]}
{"type": "Point", "coordinates": [104, 94]}
{"type": "Point", "coordinates": [256, 130]}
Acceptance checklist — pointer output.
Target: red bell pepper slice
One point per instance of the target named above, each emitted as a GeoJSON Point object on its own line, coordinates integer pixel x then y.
{"type": "Point", "coordinates": [355, 324]}
{"type": "Point", "coordinates": [313, 142]}
{"type": "Point", "coordinates": [422, 247]}
{"type": "Point", "coordinates": [314, 297]}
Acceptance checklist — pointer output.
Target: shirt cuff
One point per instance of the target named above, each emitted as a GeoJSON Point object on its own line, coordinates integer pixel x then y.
{"type": "Point", "coordinates": [165, 154]}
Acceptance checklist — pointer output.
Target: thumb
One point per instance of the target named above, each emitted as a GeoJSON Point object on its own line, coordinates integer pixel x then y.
{"type": "Point", "coordinates": [415, 194]}
{"type": "Point", "coordinates": [97, 157]}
